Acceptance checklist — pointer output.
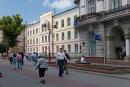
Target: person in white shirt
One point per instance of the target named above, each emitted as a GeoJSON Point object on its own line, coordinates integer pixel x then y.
{"type": "Point", "coordinates": [82, 60]}
{"type": "Point", "coordinates": [60, 60]}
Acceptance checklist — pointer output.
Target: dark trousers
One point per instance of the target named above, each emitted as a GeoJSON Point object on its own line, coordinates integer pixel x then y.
{"type": "Point", "coordinates": [61, 67]}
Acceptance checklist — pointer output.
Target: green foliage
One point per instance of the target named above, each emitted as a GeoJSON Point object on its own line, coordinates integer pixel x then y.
{"type": "Point", "coordinates": [11, 27]}
{"type": "Point", "coordinates": [2, 48]}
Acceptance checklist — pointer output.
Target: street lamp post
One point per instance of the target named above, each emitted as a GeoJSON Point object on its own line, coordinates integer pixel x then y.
{"type": "Point", "coordinates": [50, 28]}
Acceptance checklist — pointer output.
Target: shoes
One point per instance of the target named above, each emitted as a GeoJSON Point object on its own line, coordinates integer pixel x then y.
{"type": "Point", "coordinates": [42, 81]}
{"type": "Point", "coordinates": [1, 75]}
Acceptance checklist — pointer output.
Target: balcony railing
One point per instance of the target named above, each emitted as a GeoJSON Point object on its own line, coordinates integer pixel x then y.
{"type": "Point", "coordinates": [105, 15]}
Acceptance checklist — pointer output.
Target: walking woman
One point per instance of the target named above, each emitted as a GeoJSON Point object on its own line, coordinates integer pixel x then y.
{"type": "Point", "coordinates": [42, 66]}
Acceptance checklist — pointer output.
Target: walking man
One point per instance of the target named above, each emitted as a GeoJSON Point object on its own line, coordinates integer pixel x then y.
{"type": "Point", "coordinates": [60, 60]}
{"type": "Point", "coordinates": [65, 62]}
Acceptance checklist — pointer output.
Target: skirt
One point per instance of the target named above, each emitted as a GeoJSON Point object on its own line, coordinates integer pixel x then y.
{"type": "Point", "coordinates": [42, 72]}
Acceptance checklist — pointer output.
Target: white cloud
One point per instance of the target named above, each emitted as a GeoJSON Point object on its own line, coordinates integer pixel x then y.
{"type": "Point", "coordinates": [59, 4]}
{"type": "Point", "coordinates": [46, 2]}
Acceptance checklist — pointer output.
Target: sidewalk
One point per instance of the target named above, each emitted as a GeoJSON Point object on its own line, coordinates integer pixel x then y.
{"type": "Point", "coordinates": [122, 76]}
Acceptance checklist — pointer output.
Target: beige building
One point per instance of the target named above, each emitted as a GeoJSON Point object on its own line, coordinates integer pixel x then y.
{"type": "Point", "coordinates": [54, 32]}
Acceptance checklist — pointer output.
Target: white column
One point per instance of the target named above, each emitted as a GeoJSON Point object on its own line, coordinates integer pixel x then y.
{"type": "Point", "coordinates": [127, 47]}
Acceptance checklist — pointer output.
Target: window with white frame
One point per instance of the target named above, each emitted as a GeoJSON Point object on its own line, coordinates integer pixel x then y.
{"type": "Point", "coordinates": [56, 24]}
{"type": "Point", "coordinates": [69, 35]}
{"type": "Point", "coordinates": [63, 47]}
{"type": "Point", "coordinates": [63, 36]}
{"type": "Point", "coordinates": [43, 49]}
{"type": "Point", "coordinates": [42, 39]}
{"type": "Point", "coordinates": [76, 48]}
{"type": "Point", "coordinates": [57, 48]}
{"type": "Point", "coordinates": [36, 30]}
{"type": "Point", "coordinates": [42, 27]}
{"type": "Point", "coordinates": [45, 38]}
{"type": "Point", "coordinates": [33, 41]}
{"type": "Point", "coordinates": [33, 31]}
{"type": "Point", "coordinates": [62, 23]}
{"type": "Point", "coordinates": [91, 6]}
{"type": "Point", "coordinates": [57, 37]}
{"type": "Point", "coordinates": [69, 48]}
{"type": "Point", "coordinates": [30, 32]}
{"type": "Point", "coordinates": [68, 21]}
{"type": "Point", "coordinates": [36, 40]}
{"type": "Point", "coordinates": [115, 4]}
{"type": "Point", "coordinates": [30, 41]}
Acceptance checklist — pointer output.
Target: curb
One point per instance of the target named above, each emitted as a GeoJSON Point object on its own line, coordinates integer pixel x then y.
{"type": "Point", "coordinates": [102, 74]}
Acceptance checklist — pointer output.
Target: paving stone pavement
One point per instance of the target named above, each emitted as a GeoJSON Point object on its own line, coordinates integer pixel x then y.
{"type": "Point", "coordinates": [28, 77]}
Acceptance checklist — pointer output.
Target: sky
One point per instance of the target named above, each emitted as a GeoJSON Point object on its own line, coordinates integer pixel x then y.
{"type": "Point", "coordinates": [30, 10]}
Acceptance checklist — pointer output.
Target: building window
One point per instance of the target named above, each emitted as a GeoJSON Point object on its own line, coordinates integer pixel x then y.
{"type": "Point", "coordinates": [42, 27]}
{"type": "Point", "coordinates": [75, 34]}
{"type": "Point", "coordinates": [45, 38]}
{"type": "Point", "coordinates": [68, 21]}
{"type": "Point", "coordinates": [62, 38]}
{"type": "Point", "coordinates": [57, 48]}
{"type": "Point", "coordinates": [91, 6]}
{"type": "Point", "coordinates": [57, 37]}
{"type": "Point", "coordinates": [69, 35]}
{"type": "Point", "coordinates": [43, 49]}
{"type": "Point", "coordinates": [128, 1]}
{"type": "Point", "coordinates": [42, 39]}
{"type": "Point", "coordinates": [80, 49]}
{"type": "Point", "coordinates": [57, 24]}
{"type": "Point", "coordinates": [36, 40]}
{"type": "Point", "coordinates": [69, 48]}
{"type": "Point", "coordinates": [115, 4]}
{"type": "Point", "coordinates": [48, 25]}
{"type": "Point", "coordinates": [33, 31]}
{"type": "Point", "coordinates": [31, 50]}
{"type": "Point", "coordinates": [30, 32]}
{"type": "Point", "coordinates": [76, 48]}
{"type": "Point", "coordinates": [46, 49]}
{"type": "Point", "coordinates": [33, 41]}
{"type": "Point", "coordinates": [62, 23]}
{"type": "Point", "coordinates": [37, 49]}
{"type": "Point", "coordinates": [36, 30]}
{"type": "Point", "coordinates": [30, 41]}
{"type": "Point", "coordinates": [63, 47]}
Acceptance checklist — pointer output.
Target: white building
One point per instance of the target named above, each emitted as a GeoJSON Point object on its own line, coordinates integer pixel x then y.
{"type": "Point", "coordinates": [39, 38]}
{"type": "Point", "coordinates": [104, 27]}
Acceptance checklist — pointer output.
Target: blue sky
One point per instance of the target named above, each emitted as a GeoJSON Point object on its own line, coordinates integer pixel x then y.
{"type": "Point", "coordinates": [30, 10]}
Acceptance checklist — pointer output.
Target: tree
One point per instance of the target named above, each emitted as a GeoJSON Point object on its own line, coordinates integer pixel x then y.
{"type": "Point", "coordinates": [11, 27]}
{"type": "Point", "coordinates": [2, 48]}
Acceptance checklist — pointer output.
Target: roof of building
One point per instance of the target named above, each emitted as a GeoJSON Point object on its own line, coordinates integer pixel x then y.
{"type": "Point", "coordinates": [66, 10]}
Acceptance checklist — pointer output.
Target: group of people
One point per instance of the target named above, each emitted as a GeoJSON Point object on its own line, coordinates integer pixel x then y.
{"type": "Point", "coordinates": [16, 59]}
{"type": "Point", "coordinates": [32, 58]}
{"type": "Point", "coordinates": [62, 60]}
{"type": "Point", "coordinates": [40, 62]}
